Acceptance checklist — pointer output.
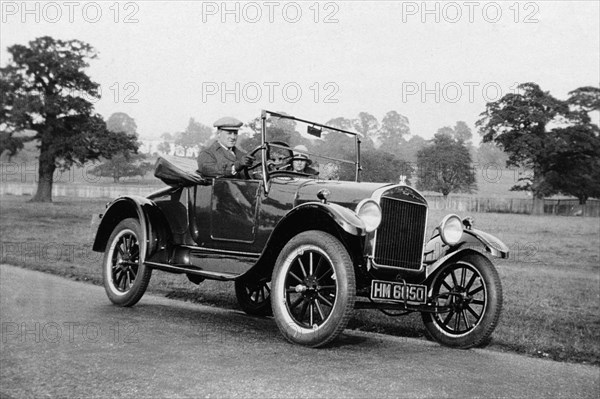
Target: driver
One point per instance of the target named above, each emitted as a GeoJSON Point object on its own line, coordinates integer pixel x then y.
{"type": "Point", "coordinates": [279, 158]}
{"type": "Point", "coordinates": [223, 158]}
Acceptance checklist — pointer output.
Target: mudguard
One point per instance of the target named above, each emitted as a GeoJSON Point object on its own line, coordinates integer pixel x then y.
{"type": "Point", "coordinates": [437, 252]}
{"type": "Point", "coordinates": [151, 220]}
{"type": "Point", "coordinates": [344, 217]}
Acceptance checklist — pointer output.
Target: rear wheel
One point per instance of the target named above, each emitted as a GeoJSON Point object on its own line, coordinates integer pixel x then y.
{"type": "Point", "coordinates": [468, 289]}
{"type": "Point", "coordinates": [313, 289]}
{"type": "Point", "coordinates": [254, 297]}
{"type": "Point", "coordinates": [125, 276]}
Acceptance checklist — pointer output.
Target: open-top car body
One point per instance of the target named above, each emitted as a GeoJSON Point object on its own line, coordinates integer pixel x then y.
{"type": "Point", "coordinates": [306, 250]}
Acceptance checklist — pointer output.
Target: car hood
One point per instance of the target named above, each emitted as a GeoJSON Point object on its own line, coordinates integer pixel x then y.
{"type": "Point", "coordinates": [344, 193]}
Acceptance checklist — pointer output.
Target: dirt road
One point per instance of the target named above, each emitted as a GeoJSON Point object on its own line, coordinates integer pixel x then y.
{"type": "Point", "coordinates": [63, 338]}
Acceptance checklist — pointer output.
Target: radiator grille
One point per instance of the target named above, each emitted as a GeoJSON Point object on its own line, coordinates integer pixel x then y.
{"type": "Point", "coordinates": [399, 239]}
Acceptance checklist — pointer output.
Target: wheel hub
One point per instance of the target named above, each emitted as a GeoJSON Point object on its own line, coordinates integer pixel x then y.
{"type": "Point", "coordinates": [459, 298]}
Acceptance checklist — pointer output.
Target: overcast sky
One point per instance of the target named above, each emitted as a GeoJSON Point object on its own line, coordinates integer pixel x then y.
{"type": "Point", "coordinates": [434, 62]}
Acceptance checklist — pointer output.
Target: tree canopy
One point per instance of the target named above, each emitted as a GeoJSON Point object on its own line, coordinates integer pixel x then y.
{"type": "Point", "coordinates": [123, 163]}
{"type": "Point", "coordinates": [195, 135]}
{"type": "Point", "coordinates": [573, 165]}
{"type": "Point", "coordinates": [555, 139]}
{"type": "Point", "coordinates": [45, 89]}
{"type": "Point", "coordinates": [445, 165]}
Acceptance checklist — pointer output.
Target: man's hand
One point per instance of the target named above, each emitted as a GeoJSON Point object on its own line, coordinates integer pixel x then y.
{"type": "Point", "coordinates": [246, 161]}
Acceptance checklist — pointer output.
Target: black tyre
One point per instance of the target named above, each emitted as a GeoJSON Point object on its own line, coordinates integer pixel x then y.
{"type": "Point", "coordinates": [469, 288]}
{"type": "Point", "coordinates": [313, 290]}
{"type": "Point", "coordinates": [254, 297]}
{"type": "Point", "coordinates": [125, 276]}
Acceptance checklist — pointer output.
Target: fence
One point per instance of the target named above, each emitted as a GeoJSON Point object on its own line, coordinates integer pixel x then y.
{"type": "Point", "coordinates": [567, 207]}
{"type": "Point", "coordinates": [77, 190]}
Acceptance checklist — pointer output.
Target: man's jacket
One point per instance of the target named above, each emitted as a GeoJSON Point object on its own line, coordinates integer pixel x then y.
{"type": "Point", "coordinates": [216, 160]}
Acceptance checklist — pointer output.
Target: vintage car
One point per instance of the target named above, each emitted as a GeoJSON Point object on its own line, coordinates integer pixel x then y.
{"type": "Point", "coordinates": [304, 249]}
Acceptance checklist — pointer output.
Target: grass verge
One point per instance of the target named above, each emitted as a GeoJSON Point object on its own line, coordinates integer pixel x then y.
{"type": "Point", "coordinates": [551, 282]}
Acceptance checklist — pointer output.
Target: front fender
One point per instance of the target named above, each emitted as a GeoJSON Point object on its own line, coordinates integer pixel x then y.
{"type": "Point", "coordinates": [430, 269]}
{"type": "Point", "coordinates": [344, 217]}
{"type": "Point", "coordinates": [471, 238]}
{"type": "Point", "coordinates": [437, 252]}
{"type": "Point", "coordinates": [492, 244]}
{"type": "Point", "coordinates": [145, 210]}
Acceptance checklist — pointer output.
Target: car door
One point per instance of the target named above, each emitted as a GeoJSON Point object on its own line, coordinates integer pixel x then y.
{"type": "Point", "coordinates": [233, 210]}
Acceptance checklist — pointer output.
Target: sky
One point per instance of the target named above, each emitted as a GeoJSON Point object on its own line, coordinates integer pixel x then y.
{"type": "Point", "coordinates": [434, 62]}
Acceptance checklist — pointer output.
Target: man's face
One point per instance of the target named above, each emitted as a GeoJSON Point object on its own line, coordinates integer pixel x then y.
{"type": "Point", "coordinates": [228, 138]}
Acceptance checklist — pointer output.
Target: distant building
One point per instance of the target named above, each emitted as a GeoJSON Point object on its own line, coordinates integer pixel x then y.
{"type": "Point", "coordinates": [152, 146]}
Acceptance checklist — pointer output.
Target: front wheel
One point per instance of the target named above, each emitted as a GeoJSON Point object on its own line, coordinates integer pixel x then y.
{"type": "Point", "coordinates": [124, 273]}
{"type": "Point", "coordinates": [313, 289]}
{"type": "Point", "coordinates": [468, 292]}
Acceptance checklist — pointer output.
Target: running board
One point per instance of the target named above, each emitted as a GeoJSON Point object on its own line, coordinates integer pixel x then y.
{"type": "Point", "coordinates": [211, 275]}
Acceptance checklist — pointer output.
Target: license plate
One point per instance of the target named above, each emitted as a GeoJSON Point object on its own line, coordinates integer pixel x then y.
{"type": "Point", "coordinates": [398, 292]}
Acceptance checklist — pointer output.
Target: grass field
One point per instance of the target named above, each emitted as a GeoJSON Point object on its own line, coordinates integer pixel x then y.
{"type": "Point", "coordinates": [551, 282]}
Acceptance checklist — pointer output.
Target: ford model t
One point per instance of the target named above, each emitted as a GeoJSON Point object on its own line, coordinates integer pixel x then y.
{"type": "Point", "coordinates": [306, 250]}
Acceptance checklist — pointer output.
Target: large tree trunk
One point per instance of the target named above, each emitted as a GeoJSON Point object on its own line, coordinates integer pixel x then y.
{"type": "Point", "coordinates": [538, 205]}
{"type": "Point", "coordinates": [45, 177]}
{"type": "Point", "coordinates": [583, 201]}
{"type": "Point", "coordinates": [538, 194]}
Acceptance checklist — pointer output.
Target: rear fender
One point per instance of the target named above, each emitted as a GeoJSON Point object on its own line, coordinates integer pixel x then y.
{"type": "Point", "coordinates": [148, 214]}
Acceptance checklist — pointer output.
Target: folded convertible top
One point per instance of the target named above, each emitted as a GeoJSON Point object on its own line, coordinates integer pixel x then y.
{"type": "Point", "coordinates": [176, 171]}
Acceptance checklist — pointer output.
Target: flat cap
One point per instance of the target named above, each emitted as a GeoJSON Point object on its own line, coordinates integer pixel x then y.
{"type": "Point", "coordinates": [228, 123]}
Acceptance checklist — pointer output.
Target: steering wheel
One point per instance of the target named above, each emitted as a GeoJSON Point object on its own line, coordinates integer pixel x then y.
{"type": "Point", "coordinates": [252, 153]}
{"type": "Point", "coordinates": [272, 166]}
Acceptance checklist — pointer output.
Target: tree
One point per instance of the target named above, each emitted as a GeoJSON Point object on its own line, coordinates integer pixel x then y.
{"type": "Point", "coordinates": [164, 147]}
{"type": "Point", "coordinates": [47, 93]}
{"type": "Point", "coordinates": [383, 167]}
{"type": "Point", "coordinates": [556, 139]}
{"type": "Point", "coordinates": [573, 166]}
{"type": "Point", "coordinates": [120, 122]}
{"type": "Point", "coordinates": [166, 136]}
{"type": "Point", "coordinates": [518, 122]}
{"type": "Point", "coordinates": [462, 133]}
{"type": "Point", "coordinates": [193, 136]}
{"type": "Point", "coordinates": [278, 129]}
{"type": "Point", "coordinates": [393, 129]}
{"type": "Point", "coordinates": [367, 125]}
{"type": "Point", "coordinates": [490, 154]}
{"type": "Point", "coordinates": [410, 148]}
{"type": "Point", "coordinates": [341, 146]}
{"type": "Point", "coordinates": [445, 166]}
{"type": "Point", "coordinates": [123, 163]}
